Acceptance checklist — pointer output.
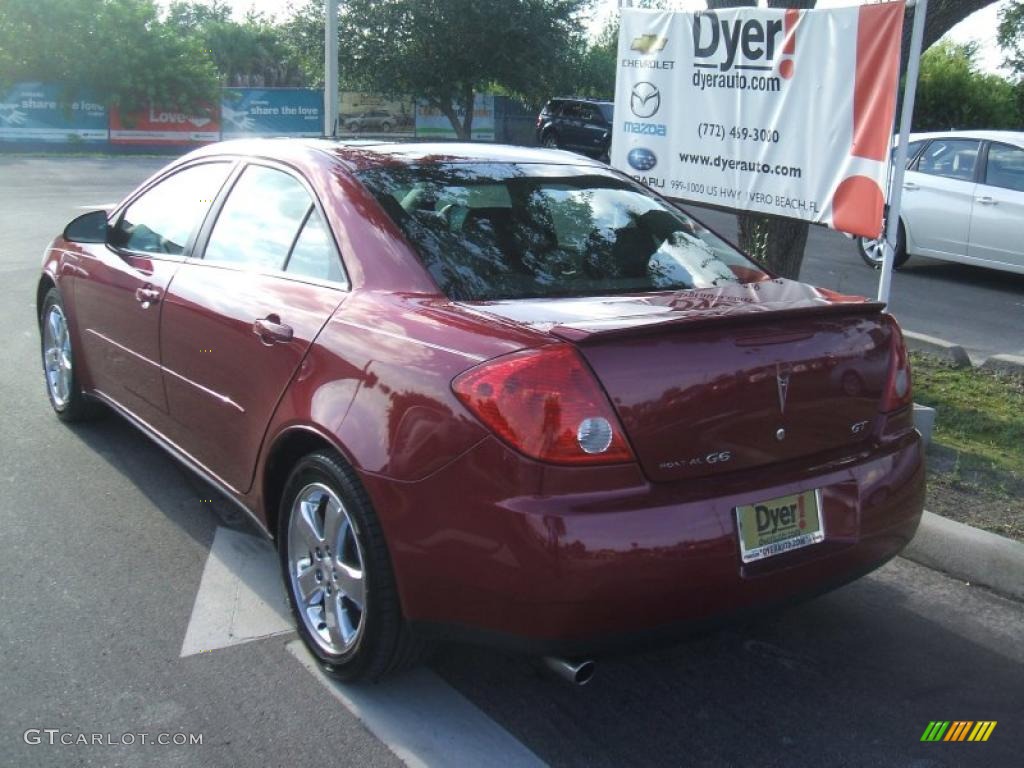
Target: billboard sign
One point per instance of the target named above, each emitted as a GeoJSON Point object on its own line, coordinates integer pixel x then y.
{"type": "Point", "coordinates": [432, 123]}
{"type": "Point", "coordinates": [779, 111]}
{"type": "Point", "coordinates": [272, 112]}
{"type": "Point", "coordinates": [372, 113]}
{"type": "Point", "coordinates": [38, 112]}
{"type": "Point", "coordinates": [164, 127]}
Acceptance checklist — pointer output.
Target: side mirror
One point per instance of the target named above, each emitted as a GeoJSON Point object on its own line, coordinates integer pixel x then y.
{"type": "Point", "coordinates": [90, 227]}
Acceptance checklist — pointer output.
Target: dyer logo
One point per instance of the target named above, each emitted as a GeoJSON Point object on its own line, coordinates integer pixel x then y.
{"type": "Point", "coordinates": [646, 129]}
{"type": "Point", "coordinates": [958, 730]}
{"type": "Point", "coordinates": [645, 99]}
{"type": "Point", "coordinates": [771, 519]}
{"type": "Point", "coordinates": [641, 159]}
{"type": "Point", "coordinates": [744, 43]}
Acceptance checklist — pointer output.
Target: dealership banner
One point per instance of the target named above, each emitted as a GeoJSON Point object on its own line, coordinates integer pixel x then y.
{"type": "Point", "coordinates": [164, 127]}
{"type": "Point", "coordinates": [365, 114]}
{"type": "Point", "coordinates": [432, 123]}
{"type": "Point", "coordinates": [41, 112]}
{"type": "Point", "coordinates": [272, 112]}
{"type": "Point", "coordinates": [779, 111]}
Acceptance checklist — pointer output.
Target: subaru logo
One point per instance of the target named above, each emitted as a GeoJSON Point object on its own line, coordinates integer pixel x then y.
{"type": "Point", "coordinates": [641, 159]}
{"type": "Point", "coordinates": [645, 99]}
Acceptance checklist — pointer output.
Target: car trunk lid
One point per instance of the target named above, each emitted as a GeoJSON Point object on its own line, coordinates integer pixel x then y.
{"type": "Point", "coordinates": [730, 378]}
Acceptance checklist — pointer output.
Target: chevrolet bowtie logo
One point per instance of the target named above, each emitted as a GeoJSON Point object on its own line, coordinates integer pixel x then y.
{"type": "Point", "coordinates": [649, 43]}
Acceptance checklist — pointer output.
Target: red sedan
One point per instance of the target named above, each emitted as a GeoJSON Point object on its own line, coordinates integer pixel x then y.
{"type": "Point", "coordinates": [486, 392]}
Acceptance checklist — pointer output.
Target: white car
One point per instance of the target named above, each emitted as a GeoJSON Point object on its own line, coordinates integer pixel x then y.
{"type": "Point", "coordinates": [963, 200]}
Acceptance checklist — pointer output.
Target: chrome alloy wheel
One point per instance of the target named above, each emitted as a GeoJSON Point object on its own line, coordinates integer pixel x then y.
{"type": "Point", "coordinates": [325, 568]}
{"type": "Point", "coordinates": [57, 356]}
{"type": "Point", "coordinates": [873, 249]}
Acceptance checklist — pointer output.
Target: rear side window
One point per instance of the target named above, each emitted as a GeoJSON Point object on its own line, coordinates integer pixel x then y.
{"type": "Point", "coordinates": [1005, 167]}
{"type": "Point", "coordinates": [313, 254]}
{"type": "Point", "coordinates": [164, 217]}
{"type": "Point", "coordinates": [509, 231]}
{"type": "Point", "coordinates": [952, 158]}
{"type": "Point", "coordinates": [260, 220]}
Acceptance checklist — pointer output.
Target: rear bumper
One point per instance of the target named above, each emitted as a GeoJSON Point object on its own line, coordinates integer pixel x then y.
{"type": "Point", "coordinates": [597, 560]}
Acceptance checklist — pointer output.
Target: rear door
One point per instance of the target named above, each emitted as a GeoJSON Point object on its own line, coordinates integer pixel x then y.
{"type": "Point", "coordinates": [997, 223]}
{"type": "Point", "coordinates": [938, 197]}
{"type": "Point", "coordinates": [595, 129]}
{"type": "Point", "coordinates": [570, 126]}
{"type": "Point", "coordinates": [119, 297]}
{"type": "Point", "coordinates": [238, 322]}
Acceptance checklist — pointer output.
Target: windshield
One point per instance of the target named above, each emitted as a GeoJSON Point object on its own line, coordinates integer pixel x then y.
{"type": "Point", "coordinates": [491, 231]}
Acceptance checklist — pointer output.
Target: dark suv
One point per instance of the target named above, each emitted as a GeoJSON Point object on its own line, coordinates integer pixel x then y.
{"type": "Point", "coordinates": [582, 125]}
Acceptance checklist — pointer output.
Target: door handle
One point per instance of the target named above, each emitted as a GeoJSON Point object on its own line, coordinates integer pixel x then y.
{"type": "Point", "coordinates": [910, 185]}
{"type": "Point", "coordinates": [147, 295]}
{"type": "Point", "coordinates": [986, 200]}
{"type": "Point", "coordinates": [271, 330]}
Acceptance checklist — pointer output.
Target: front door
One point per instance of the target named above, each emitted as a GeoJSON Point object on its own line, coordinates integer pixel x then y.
{"type": "Point", "coordinates": [118, 302]}
{"type": "Point", "coordinates": [238, 322]}
{"type": "Point", "coordinates": [938, 197]}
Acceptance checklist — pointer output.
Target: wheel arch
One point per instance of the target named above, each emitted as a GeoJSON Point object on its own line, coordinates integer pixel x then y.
{"type": "Point", "coordinates": [287, 447]}
{"type": "Point", "coordinates": [46, 283]}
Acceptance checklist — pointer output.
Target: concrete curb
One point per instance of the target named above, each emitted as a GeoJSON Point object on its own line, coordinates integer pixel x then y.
{"type": "Point", "coordinates": [969, 554]}
{"type": "Point", "coordinates": [930, 345]}
{"type": "Point", "coordinates": [1013, 364]}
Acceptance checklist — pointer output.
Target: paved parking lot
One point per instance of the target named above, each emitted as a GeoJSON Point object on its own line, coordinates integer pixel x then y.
{"type": "Point", "coordinates": [109, 593]}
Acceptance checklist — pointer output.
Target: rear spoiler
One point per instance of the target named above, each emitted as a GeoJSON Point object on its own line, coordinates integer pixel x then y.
{"type": "Point", "coordinates": [722, 316]}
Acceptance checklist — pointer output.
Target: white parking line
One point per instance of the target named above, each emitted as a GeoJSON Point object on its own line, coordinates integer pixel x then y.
{"type": "Point", "coordinates": [423, 720]}
{"type": "Point", "coordinates": [240, 596]}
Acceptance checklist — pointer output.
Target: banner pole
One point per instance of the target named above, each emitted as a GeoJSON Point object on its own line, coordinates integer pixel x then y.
{"type": "Point", "coordinates": [892, 222]}
{"type": "Point", "coordinates": [331, 69]}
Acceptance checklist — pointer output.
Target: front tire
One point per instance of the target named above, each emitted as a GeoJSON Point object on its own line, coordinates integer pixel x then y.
{"type": "Point", "coordinates": [338, 573]}
{"type": "Point", "coordinates": [872, 249]}
{"type": "Point", "coordinates": [59, 357]}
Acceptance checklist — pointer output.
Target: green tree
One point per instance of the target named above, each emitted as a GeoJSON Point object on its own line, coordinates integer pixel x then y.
{"type": "Point", "coordinates": [119, 49]}
{"type": "Point", "coordinates": [447, 51]}
{"type": "Point", "coordinates": [248, 52]}
{"type": "Point", "coordinates": [952, 94]}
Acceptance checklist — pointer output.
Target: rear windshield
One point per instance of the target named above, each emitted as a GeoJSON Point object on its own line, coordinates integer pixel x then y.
{"type": "Point", "coordinates": [510, 231]}
{"type": "Point", "coordinates": [608, 110]}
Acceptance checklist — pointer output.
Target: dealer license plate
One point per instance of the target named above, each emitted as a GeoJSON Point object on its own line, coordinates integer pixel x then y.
{"type": "Point", "coordinates": [779, 525]}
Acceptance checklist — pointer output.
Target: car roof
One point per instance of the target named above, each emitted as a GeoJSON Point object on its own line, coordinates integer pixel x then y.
{"type": "Point", "coordinates": [1009, 137]}
{"type": "Point", "coordinates": [364, 154]}
{"type": "Point", "coordinates": [583, 101]}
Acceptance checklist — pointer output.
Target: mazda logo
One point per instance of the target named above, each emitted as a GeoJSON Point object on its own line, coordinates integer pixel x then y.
{"type": "Point", "coordinates": [645, 99]}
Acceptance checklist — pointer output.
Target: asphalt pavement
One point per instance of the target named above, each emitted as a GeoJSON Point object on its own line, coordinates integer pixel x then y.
{"type": "Point", "coordinates": [106, 558]}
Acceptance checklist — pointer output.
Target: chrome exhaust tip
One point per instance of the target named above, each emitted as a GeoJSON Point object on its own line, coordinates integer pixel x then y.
{"type": "Point", "coordinates": [575, 671]}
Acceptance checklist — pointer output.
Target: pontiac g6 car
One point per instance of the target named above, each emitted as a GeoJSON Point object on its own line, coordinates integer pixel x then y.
{"type": "Point", "coordinates": [487, 393]}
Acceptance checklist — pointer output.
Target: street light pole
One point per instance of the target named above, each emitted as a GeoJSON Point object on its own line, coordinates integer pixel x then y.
{"type": "Point", "coordinates": [331, 69]}
{"type": "Point", "coordinates": [892, 222]}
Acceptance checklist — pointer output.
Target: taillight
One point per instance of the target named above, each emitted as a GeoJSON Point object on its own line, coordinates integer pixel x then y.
{"type": "Point", "coordinates": [897, 386]}
{"type": "Point", "coordinates": [546, 404]}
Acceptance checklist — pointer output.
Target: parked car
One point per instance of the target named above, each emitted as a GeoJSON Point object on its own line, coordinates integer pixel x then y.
{"type": "Point", "coordinates": [580, 125]}
{"type": "Point", "coordinates": [375, 120]}
{"type": "Point", "coordinates": [963, 201]}
{"type": "Point", "coordinates": [484, 392]}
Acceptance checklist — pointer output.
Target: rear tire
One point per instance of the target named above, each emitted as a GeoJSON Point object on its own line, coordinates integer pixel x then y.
{"type": "Point", "coordinates": [338, 573]}
{"type": "Point", "coordinates": [871, 249]}
{"type": "Point", "coordinates": [550, 140]}
{"type": "Point", "coordinates": [60, 354]}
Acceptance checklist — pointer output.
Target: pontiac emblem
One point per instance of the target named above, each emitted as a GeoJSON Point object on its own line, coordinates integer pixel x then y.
{"type": "Point", "coordinates": [782, 379]}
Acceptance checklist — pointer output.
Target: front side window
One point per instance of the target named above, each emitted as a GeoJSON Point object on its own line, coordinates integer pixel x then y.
{"type": "Point", "coordinates": [1005, 167]}
{"type": "Point", "coordinates": [260, 220]}
{"type": "Point", "coordinates": [509, 231]}
{"type": "Point", "coordinates": [163, 218]}
{"type": "Point", "coordinates": [952, 158]}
